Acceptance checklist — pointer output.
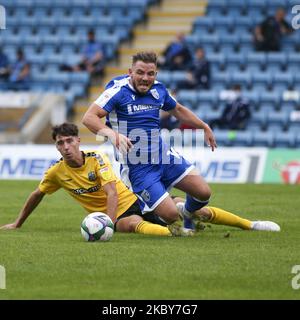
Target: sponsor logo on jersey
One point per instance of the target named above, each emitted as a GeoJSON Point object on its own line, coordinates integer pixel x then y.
{"type": "Point", "coordinates": [133, 97]}
{"type": "Point", "coordinates": [155, 93]}
{"type": "Point", "coordinates": [82, 190]}
{"type": "Point", "coordinates": [105, 173]}
{"type": "Point", "coordinates": [132, 108]}
{"type": "Point", "coordinates": [129, 109]}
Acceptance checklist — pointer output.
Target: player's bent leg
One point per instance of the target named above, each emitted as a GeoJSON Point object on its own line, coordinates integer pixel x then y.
{"type": "Point", "coordinates": [195, 186]}
{"type": "Point", "coordinates": [136, 223]}
{"type": "Point", "coordinates": [128, 224]}
{"type": "Point", "coordinates": [198, 194]}
{"type": "Point", "coordinates": [167, 210]}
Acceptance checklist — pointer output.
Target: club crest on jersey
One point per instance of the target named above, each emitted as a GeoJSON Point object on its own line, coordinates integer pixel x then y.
{"type": "Point", "coordinates": [145, 195]}
{"type": "Point", "coordinates": [92, 176]}
{"type": "Point", "coordinates": [155, 93]}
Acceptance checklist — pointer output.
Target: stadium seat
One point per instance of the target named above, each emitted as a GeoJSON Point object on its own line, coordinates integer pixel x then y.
{"type": "Point", "coordinates": [207, 96]}
{"type": "Point", "coordinates": [259, 118]}
{"type": "Point", "coordinates": [262, 77]}
{"type": "Point", "coordinates": [223, 137]}
{"type": "Point", "coordinates": [242, 138]}
{"type": "Point", "coordinates": [279, 58]}
{"type": "Point", "coordinates": [279, 117]}
{"type": "Point", "coordinates": [243, 78]}
{"type": "Point", "coordinates": [285, 139]}
{"type": "Point", "coordinates": [263, 139]}
{"type": "Point", "coordinates": [188, 98]}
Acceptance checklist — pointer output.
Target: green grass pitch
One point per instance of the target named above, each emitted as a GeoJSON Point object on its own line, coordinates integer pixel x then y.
{"type": "Point", "coordinates": [48, 259]}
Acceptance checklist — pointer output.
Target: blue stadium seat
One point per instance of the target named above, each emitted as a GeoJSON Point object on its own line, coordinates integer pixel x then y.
{"type": "Point", "coordinates": [283, 81]}
{"type": "Point", "coordinates": [188, 98]}
{"type": "Point", "coordinates": [277, 58]}
{"type": "Point", "coordinates": [279, 117]}
{"type": "Point", "coordinates": [178, 76]}
{"type": "Point", "coordinates": [263, 139]}
{"type": "Point", "coordinates": [223, 78]}
{"type": "Point", "coordinates": [243, 78]}
{"type": "Point", "coordinates": [165, 76]}
{"type": "Point", "coordinates": [275, 127]}
{"type": "Point", "coordinates": [243, 138]}
{"type": "Point", "coordinates": [293, 60]}
{"type": "Point", "coordinates": [285, 139]}
{"type": "Point", "coordinates": [204, 22]}
{"type": "Point", "coordinates": [262, 77]}
{"type": "Point", "coordinates": [80, 77]}
{"type": "Point", "coordinates": [209, 114]}
{"type": "Point", "coordinates": [273, 98]}
{"type": "Point", "coordinates": [253, 97]}
{"type": "Point", "coordinates": [216, 7]}
{"type": "Point", "coordinates": [223, 137]}
{"type": "Point", "coordinates": [207, 96]}
{"type": "Point", "coordinates": [257, 58]}
{"type": "Point", "coordinates": [217, 59]}
{"type": "Point", "coordinates": [259, 118]}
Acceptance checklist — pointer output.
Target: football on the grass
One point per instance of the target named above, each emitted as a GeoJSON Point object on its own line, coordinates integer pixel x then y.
{"type": "Point", "coordinates": [97, 226]}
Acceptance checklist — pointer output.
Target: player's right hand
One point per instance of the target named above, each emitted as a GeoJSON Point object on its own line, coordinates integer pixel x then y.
{"type": "Point", "coordinates": [121, 142]}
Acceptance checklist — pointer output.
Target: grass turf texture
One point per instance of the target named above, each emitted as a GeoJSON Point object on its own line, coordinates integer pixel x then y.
{"type": "Point", "coordinates": [48, 259]}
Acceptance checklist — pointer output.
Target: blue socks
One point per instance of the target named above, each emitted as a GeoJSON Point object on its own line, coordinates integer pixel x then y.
{"type": "Point", "coordinates": [191, 205]}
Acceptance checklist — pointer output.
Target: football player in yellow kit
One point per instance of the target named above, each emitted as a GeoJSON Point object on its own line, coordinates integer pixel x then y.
{"type": "Point", "coordinates": [89, 178]}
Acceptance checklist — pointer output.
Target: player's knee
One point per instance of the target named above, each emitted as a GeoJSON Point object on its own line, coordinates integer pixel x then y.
{"type": "Point", "coordinates": [128, 224]}
{"type": "Point", "coordinates": [133, 223]}
{"type": "Point", "coordinates": [205, 193]}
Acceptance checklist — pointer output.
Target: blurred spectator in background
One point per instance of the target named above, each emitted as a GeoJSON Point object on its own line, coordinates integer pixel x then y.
{"type": "Point", "coordinates": [235, 114]}
{"type": "Point", "coordinates": [198, 76]}
{"type": "Point", "coordinates": [268, 34]}
{"type": "Point", "coordinates": [177, 55]}
{"type": "Point", "coordinates": [19, 75]}
{"type": "Point", "coordinates": [4, 66]}
{"type": "Point", "coordinates": [92, 57]}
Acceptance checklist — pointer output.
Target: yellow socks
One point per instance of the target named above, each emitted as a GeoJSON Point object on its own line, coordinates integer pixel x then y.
{"type": "Point", "coordinates": [220, 216]}
{"type": "Point", "coordinates": [146, 227]}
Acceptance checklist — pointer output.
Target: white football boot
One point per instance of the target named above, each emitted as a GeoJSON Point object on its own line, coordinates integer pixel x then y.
{"type": "Point", "coordinates": [265, 226]}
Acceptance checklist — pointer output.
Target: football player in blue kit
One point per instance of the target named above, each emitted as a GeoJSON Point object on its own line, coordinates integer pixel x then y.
{"type": "Point", "coordinates": [131, 104]}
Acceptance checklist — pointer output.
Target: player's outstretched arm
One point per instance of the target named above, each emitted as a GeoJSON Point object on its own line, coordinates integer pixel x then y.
{"type": "Point", "coordinates": [31, 203]}
{"type": "Point", "coordinates": [112, 200]}
{"type": "Point", "coordinates": [185, 115]}
{"type": "Point", "coordinates": [92, 120]}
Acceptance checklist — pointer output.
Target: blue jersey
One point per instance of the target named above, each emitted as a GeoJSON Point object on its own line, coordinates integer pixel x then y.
{"type": "Point", "coordinates": [136, 115]}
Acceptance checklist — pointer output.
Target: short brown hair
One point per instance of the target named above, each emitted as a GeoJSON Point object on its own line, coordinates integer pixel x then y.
{"type": "Point", "coordinates": [65, 130]}
{"type": "Point", "coordinates": [145, 56]}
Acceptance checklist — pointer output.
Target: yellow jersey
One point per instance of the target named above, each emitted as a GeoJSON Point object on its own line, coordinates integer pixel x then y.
{"type": "Point", "coordinates": [85, 184]}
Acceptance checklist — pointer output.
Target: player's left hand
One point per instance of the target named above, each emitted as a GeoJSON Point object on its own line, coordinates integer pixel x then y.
{"type": "Point", "coordinates": [10, 226]}
{"type": "Point", "coordinates": [210, 138]}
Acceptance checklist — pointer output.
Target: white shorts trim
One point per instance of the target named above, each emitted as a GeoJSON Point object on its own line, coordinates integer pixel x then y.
{"type": "Point", "coordinates": [148, 209]}
{"type": "Point", "coordinates": [186, 172]}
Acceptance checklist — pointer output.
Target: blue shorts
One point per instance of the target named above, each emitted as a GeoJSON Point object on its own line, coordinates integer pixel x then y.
{"type": "Point", "coordinates": [152, 182]}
